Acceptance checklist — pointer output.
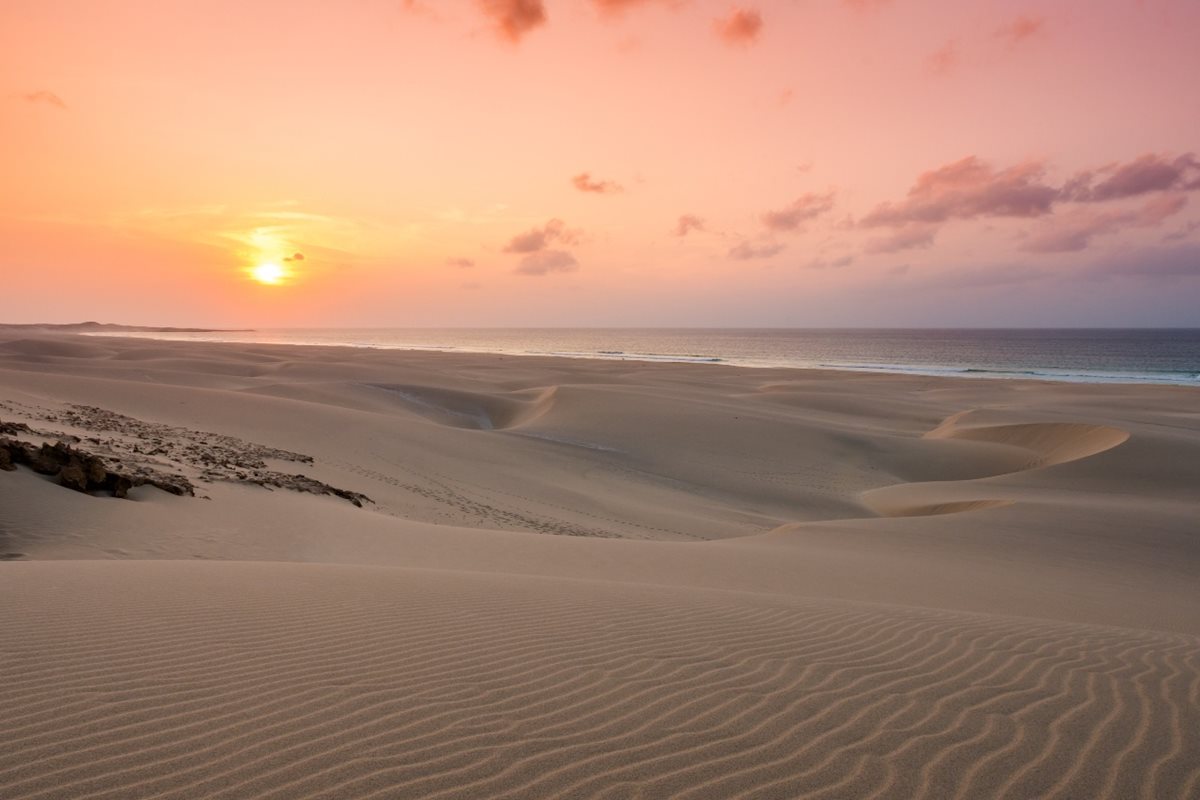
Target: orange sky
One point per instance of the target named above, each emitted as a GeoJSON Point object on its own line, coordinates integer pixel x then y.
{"type": "Point", "coordinates": [601, 162]}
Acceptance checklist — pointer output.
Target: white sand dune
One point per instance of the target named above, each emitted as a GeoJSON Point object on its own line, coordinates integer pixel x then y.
{"type": "Point", "coordinates": [596, 580]}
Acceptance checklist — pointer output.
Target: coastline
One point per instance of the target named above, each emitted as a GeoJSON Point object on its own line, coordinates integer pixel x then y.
{"type": "Point", "coordinates": [379, 339]}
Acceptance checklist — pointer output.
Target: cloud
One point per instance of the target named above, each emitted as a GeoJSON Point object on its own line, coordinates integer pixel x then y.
{"type": "Point", "coordinates": [1182, 233]}
{"type": "Point", "coordinates": [943, 60]}
{"type": "Point", "coordinates": [970, 189]}
{"type": "Point", "coordinates": [295, 257]}
{"type": "Point", "coordinates": [984, 277]}
{"type": "Point", "coordinates": [461, 263]}
{"type": "Point", "coordinates": [513, 19]}
{"type": "Point", "coordinates": [830, 263]}
{"type": "Point", "coordinates": [741, 27]}
{"type": "Point", "coordinates": [1020, 29]}
{"type": "Point", "coordinates": [688, 223]}
{"type": "Point", "coordinates": [746, 251]}
{"type": "Point", "coordinates": [618, 7]}
{"type": "Point", "coordinates": [1159, 263]}
{"type": "Point", "coordinates": [967, 189]}
{"type": "Point", "coordinates": [419, 8]}
{"type": "Point", "coordinates": [546, 261]}
{"type": "Point", "coordinates": [1149, 173]}
{"type": "Point", "coordinates": [1075, 230]}
{"type": "Point", "coordinates": [539, 238]}
{"type": "Point", "coordinates": [915, 235]}
{"type": "Point", "coordinates": [866, 5]}
{"type": "Point", "coordinates": [539, 257]}
{"type": "Point", "coordinates": [584, 183]}
{"type": "Point", "coordinates": [47, 97]}
{"type": "Point", "coordinates": [804, 208]}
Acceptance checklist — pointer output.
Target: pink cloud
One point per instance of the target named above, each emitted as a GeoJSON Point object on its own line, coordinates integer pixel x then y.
{"type": "Point", "coordinates": [1171, 263]}
{"type": "Point", "coordinates": [806, 207]}
{"type": "Point", "coordinates": [746, 251]}
{"type": "Point", "coordinates": [540, 238]}
{"type": "Point", "coordinates": [545, 262]}
{"type": "Point", "coordinates": [1148, 173]}
{"type": "Point", "coordinates": [47, 97]}
{"type": "Point", "coordinates": [461, 263]}
{"type": "Point", "coordinates": [688, 223]}
{"type": "Point", "coordinates": [830, 263]}
{"type": "Point", "coordinates": [970, 189]}
{"type": "Point", "coordinates": [1021, 28]}
{"type": "Point", "coordinates": [944, 59]}
{"type": "Point", "coordinates": [741, 27]}
{"type": "Point", "coordinates": [584, 183]}
{"type": "Point", "coordinates": [910, 237]}
{"type": "Point", "coordinates": [866, 5]}
{"type": "Point", "coordinates": [513, 19]}
{"type": "Point", "coordinates": [967, 189]}
{"type": "Point", "coordinates": [1076, 230]}
{"type": "Point", "coordinates": [617, 7]}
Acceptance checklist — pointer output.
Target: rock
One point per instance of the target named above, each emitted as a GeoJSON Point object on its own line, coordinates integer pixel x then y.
{"type": "Point", "coordinates": [119, 485]}
{"type": "Point", "coordinates": [72, 476]}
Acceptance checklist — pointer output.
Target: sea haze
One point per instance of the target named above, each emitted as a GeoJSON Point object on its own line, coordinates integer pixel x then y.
{"type": "Point", "coordinates": [1088, 355]}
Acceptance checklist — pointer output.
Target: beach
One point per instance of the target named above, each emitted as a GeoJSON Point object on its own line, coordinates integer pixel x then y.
{"type": "Point", "coordinates": [471, 575]}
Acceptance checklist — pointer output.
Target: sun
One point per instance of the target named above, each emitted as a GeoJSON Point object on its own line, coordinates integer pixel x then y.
{"type": "Point", "coordinates": [268, 273]}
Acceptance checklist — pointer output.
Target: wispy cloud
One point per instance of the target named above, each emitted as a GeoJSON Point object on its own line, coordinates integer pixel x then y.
{"type": "Point", "coordinates": [866, 5]}
{"type": "Point", "coordinates": [748, 250]}
{"type": "Point", "coordinates": [546, 262]}
{"type": "Point", "coordinates": [1163, 263]}
{"type": "Point", "coordinates": [45, 97]}
{"type": "Point", "coordinates": [741, 27]}
{"type": "Point", "coordinates": [804, 208]}
{"type": "Point", "coordinates": [1076, 229]}
{"type": "Point", "coordinates": [512, 19]}
{"type": "Point", "coordinates": [830, 263]}
{"type": "Point", "coordinates": [970, 188]}
{"type": "Point", "coordinates": [618, 7]}
{"type": "Point", "coordinates": [943, 60]}
{"type": "Point", "coordinates": [460, 263]}
{"type": "Point", "coordinates": [1024, 27]}
{"type": "Point", "coordinates": [540, 238]}
{"type": "Point", "coordinates": [688, 223]}
{"type": "Point", "coordinates": [1149, 173]}
{"type": "Point", "coordinates": [540, 258]}
{"type": "Point", "coordinates": [584, 183]}
{"type": "Point", "coordinates": [912, 236]}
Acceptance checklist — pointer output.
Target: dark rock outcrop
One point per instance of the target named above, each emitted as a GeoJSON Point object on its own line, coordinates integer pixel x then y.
{"type": "Point", "coordinates": [79, 470]}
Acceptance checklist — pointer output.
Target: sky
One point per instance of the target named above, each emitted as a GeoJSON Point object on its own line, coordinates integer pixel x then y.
{"type": "Point", "coordinates": [798, 163]}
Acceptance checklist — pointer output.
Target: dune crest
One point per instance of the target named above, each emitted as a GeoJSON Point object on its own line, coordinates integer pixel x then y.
{"type": "Point", "coordinates": [1050, 442]}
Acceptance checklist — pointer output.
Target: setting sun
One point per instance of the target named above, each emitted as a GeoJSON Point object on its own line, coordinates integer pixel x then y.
{"type": "Point", "coordinates": [268, 273]}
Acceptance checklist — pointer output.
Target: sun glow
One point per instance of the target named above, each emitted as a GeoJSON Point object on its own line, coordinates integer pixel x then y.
{"type": "Point", "coordinates": [268, 273]}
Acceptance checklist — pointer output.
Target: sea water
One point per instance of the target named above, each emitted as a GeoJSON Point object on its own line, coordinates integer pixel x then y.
{"type": "Point", "coordinates": [1169, 356]}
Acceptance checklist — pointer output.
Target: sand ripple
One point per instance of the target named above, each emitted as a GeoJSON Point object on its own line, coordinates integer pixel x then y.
{"type": "Point", "coordinates": [236, 680]}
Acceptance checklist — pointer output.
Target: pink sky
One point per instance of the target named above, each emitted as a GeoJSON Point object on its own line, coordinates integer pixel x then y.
{"type": "Point", "coordinates": [601, 162]}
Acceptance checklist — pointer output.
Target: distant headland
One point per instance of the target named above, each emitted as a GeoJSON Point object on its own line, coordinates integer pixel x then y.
{"type": "Point", "coordinates": [90, 326]}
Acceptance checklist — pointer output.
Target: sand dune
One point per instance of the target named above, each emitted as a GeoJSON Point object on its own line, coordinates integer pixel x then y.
{"type": "Point", "coordinates": [595, 579]}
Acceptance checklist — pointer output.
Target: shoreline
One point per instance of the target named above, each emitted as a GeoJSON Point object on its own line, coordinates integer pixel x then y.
{"type": "Point", "coordinates": [971, 372]}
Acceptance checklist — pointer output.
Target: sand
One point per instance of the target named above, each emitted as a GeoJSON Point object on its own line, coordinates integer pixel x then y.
{"type": "Point", "coordinates": [594, 579]}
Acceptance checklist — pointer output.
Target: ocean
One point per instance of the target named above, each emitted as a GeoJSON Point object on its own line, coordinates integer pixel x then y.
{"type": "Point", "coordinates": [1170, 356]}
